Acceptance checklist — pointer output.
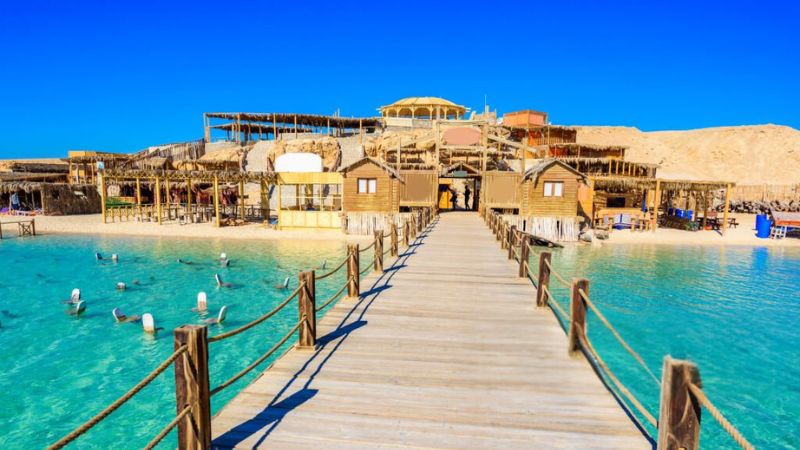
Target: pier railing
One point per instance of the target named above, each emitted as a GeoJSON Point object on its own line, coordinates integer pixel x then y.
{"type": "Point", "coordinates": [681, 391]}
{"type": "Point", "coordinates": [191, 342]}
{"type": "Point", "coordinates": [25, 227]}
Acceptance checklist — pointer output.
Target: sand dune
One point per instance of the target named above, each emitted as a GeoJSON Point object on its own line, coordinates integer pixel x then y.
{"type": "Point", "coordinates": [755, 154]}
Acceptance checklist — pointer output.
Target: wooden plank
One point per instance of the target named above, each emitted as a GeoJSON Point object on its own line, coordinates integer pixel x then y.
{"type": "Point", "coordinates": [430, 356]}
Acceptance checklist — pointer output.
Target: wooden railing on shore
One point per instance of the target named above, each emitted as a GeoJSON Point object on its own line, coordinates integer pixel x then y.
{"type": "Point", "coordinates": [182, 212]}
{"type": "Point", "coordinates": [190, 358]}
{"type": "Point", "coordinates": [681, 392]}
{"type": "Point", "coordinates": [25, 227]}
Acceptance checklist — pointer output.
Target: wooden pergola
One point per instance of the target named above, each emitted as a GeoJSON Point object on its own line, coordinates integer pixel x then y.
{"type": "Point", "coordinates": [242, 125]}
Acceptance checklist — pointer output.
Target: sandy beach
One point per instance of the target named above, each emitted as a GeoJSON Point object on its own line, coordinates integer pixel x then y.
{"type": "Point", "coordinates": [744, 234]}
{"type": "Point", "coordinates": [92, 224]}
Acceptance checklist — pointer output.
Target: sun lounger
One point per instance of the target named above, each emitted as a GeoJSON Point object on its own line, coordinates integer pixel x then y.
{"type": "Point", "coordinates": [220, 317]}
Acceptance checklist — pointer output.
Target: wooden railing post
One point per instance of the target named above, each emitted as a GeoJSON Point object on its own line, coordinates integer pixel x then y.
{"type": "Point", "coordinates": [419, 220]}
{"type": "Point", "coordinates": [306, 306]}
{"type": "Point", "coordinates": [544, 279]}
{"type": "Point", "coordinates": [354, 284]}
{"type": "Point", "coordinates": [511, 238]}
{"type": "Point", "coordinates": [577, 315]}
{"type": "Point", "coordinates": [406, 232]}
{"type": "Point", "coordinates": [524, 254]}
{"type": "Point", "coordinates": [378, 248]}
{"type": "Point", "coordinates": [192, 387]}
{"type": "Point", "coordinates": [394, 239]}
{"type": "Point", "coordinates": [679, 413]}
{"type": "Point", "coordinates": [413, 226]}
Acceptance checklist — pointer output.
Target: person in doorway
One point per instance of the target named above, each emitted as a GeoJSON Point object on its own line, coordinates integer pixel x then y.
{"type": "Point", "coordinates": [467, 193]}
{"type": "Point", "coordinates": [15, 202]}
{"type": "Point", "coordinates": [453, 197]}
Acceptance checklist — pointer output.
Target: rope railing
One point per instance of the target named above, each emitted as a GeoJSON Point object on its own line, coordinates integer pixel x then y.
{"type": "Point", "coordinates": [333, 271]}
{"type": "Point", "coordinates": [260, 359]}
{"type": "Point", "coordinates": [729, 428]}
{"type": "Point", "coordinates": [165, 431]}
{"type": "Point", "coordinates": [587, 345]}
{"type": "Point", "coordinates": [257, 321]}
{"type": "Point", "coordinates": [119, 402]}
{"type": "Point", "coordinates": [368, 267]}
{"type": "Point", "coordinates": [362, 250]}
{"type": "Point", "coordinates": [333, 297]}
{"type": "Point", "coordinates": [677, 423]}
{"type": "Point", "coordinates": [616, 334]}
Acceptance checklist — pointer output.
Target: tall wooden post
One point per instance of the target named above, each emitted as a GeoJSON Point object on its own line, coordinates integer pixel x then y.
{"type": "Point", "coordinates": [679, 413]}
{"type": "Point", "coordinates": [360, 132]}
{"type": "Point", "coordinates": [544, 279]}
{"type": "Point", "coordinates": [207, 128]}
{"type": "Point", "coordinates": [139, 197]}
{"type": "Point", "coordinates": [168, 201]}
{"type": "Point", "coordinates": [295, 127]}
{"type": "Point", "coordinates": [307, 305]}
{"type": "Point", "coordinates": [192, 387]}
{"type": "Point", "coordinates": [158, 199]}
{"type": "Point", "coordinates": [217, 220]}
{"type": "Point", "coordinates": [241, 199]}
{"type": "Point", "coordinates": [378, 249]}
{"type": "Point", "coordinates": [354, 284]}
{"type": "Point", "coordinates": [406, 232]}
{"type": "Point", "coordinates": [705, 209]}
{"type": "Point", "coordinates": [103, 196]}
{"type": "Point", "coordinates": [189, 217]}
{"type": "Point", "coordinates": [577, 315]}
{"type": "Point", "coordinates": [727, 208]}
{"type": "Point", "coordinates": [656, 205]}
{"type": "Point", "coordinates": [511, 237]}
{"type": "Point", "coordinates": [524, 254]}
{"type": "Point", "coordinates": [394, 240]}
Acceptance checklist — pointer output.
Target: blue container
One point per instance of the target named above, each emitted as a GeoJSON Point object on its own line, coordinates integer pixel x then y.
{"type": "Point", "coordinates": [762, 226]}
{"type": "Point", "coordinates": [678, 212]}
{"type": "Point", "coordinates": [690, 214]}
{"type": "Point", "coordinates": [670, 211]}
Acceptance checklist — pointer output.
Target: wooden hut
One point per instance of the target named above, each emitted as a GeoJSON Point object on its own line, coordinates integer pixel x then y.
{"type": "Point", "coordinates": [501, 190]}
{"type": "Point", "coordinates": [420, 189]}
{"type": "Point", "coordinates": [369, 185]}
{"type": "Point", "coordinates": [550, 189]}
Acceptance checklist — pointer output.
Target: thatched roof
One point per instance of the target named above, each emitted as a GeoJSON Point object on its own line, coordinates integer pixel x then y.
{"type": "Point", "coordinates": [624, 182]}
{"type": "Point", "coordinates": [581, 146]}
{"type": "Point", "coordinates": [49, 165]}
{"type": "Point", "coordinates": [312, 120]}
{"type": "Point", "coordinates": [224, 176]}
{"type": "Point", "coordinates": [27, 176]}
{"type": "Point", "coordinates": [534, 172]}
{"type": "Point", "coordinates": [259, 128]}
{"type": "Point", "coordinates": [388, 169]}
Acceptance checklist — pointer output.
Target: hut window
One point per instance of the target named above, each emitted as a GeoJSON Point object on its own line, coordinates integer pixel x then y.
{"type": "Point", "coordinates": [367, 185]}
{"type": "Point", "coordinates": [553, 188]}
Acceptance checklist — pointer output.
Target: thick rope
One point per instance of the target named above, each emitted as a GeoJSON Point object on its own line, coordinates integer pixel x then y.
{"type": "Point", "coordinates": [322, 277]}
{"type": "Point", "coordinates": [727, 426]}
{"type": "Point", "coordinates": [266, 316]}
{"type": "Point", "coordinates": [590, 348]}
{"type": "Point", "coordinates": [334, 296]}
{"type": "Point", "coordinates": [260, 359]}
{"type": "Point", "coordinates": [554, 304]}
{"type": "Point", "coordinates": [617, 335]}
{"type": "Point", "coordinates": [119, 402]}
{"type": "Point", "coordinates": [164, 432]}
{"type": "Point", "coordinates": [369, 266]}
{"type": "Point", "coordinates": [362, 250]}
{"type": "Point", "coordinates": [559, 278]}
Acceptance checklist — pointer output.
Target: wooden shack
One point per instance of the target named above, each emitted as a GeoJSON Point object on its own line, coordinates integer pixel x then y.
{"type": "Point", "coordinates": [550, 189]}
{"type": "Point", "coordinates": [501, 190]}
{"type": "Point", "coordinates": [420, 189]}
{"type": "Point", "coordinates": [369, 185]}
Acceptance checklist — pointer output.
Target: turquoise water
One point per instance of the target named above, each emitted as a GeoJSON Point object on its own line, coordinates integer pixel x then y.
{"type": "Point", "coordinates": [56, 371]}
{"type": "Point", "coordinates": [734, 311]}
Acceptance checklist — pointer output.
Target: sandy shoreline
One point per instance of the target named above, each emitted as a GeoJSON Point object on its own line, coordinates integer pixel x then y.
{"type": "Point", "coordinates": [743, 235]}
{"type": "Point", "coordinates": [91, 224]}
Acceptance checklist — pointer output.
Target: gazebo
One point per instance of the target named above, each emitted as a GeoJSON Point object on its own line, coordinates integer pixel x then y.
{"type": "Point", "coordinates": [424, 108]}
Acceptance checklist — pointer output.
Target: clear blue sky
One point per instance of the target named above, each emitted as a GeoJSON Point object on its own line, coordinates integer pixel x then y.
{"type": "Point", "coordinates": [119, 76]}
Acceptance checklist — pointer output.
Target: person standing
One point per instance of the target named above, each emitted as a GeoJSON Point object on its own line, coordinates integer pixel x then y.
{"type": "Point", "coordinates": [453, 197]}
{"type": "Point", "coordinates": [467, 193]}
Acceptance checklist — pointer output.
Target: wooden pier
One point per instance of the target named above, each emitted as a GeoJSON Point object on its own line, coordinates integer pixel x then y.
{"type": "Point", "coordinates": [445, 349]}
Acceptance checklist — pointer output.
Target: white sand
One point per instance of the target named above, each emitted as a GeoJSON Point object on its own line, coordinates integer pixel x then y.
{"type": "Point", "coordinates": [91, 224]}
{"type": "Point", "coordinates": [744, 234]}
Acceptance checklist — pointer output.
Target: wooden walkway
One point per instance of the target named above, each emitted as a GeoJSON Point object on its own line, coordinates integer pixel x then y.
{"type": "Point", "coordinates": [445, 350]}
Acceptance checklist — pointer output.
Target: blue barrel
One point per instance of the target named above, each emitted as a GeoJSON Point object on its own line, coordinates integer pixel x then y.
{"type": "Point", "coordinates": [678, 212]}
{"type": "Point", "coordinates": [690, 214]}
{"type": "Point", "coordinates": [762, 226]}
{"type": "Point", "coordinates": [670, 211]}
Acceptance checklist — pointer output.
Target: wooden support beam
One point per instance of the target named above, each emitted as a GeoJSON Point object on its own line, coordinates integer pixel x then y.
{"type": "Point", "coordinates": [306, 305]}
{"type": "Point", "coordinates": [189, 200]}
{"type": "Point", "coordinates": [139, 197]}
{"type": "Point", "coordinates": [102, 196]}
{"type": "Point", "coordinates": [158, 200]}
{"type": "Point", "coordinates": [192, 388]}
{"type": "Point", "coordinates": [394, 239]}
{"type": "Point", "coordinates": [217, 219]}
{"type": "Point", "coordinates": [679, 412]}
{"type": "Point", "coordinates": [577, 319]}
{"type": "Point", "coordinates": [378, 251]}
{"type": "Point", "coordinates": [726, 210]}
{"type": "Point", "coordinates": [354, 283]}
{"type": "Point", "coordinates": [241, 199]}
{"type": "Point", "coordinates": [524, 255]}
{"type": "Point", "coordinates": [510, 239]}
{"type": "Point", "coordinates": [656, 206]}
{"type": "Point", "coordinates": [544, 279]}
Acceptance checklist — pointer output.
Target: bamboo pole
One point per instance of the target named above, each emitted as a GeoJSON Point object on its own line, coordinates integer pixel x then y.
{"type": "Point", "coordinates": [139, 197]}
{"type": "Point", "coordinates": [727, 208]}
{"type": "Point", "coordinates": [241, 199]}
{"type": "Point", "coordinates": [217, 221]}
{"type": "Point", "coordinates": [158, 199]}
{"type": "Point", "coordinates": [189, 199]}
{"type": "Point", "coordinates": [656, 205]}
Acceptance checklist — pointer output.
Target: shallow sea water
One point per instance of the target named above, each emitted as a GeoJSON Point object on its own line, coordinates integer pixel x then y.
{"type": "Point", "coordinates": [56, 371]}
{"type": "Point", "coordinates": [734, 311]}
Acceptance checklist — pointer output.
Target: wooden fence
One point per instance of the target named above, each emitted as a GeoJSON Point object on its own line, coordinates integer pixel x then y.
{"type": "Point", "coordinates": [190, 358]}
{"type": "Point", "coordinates": [681, 392]}
{"type": "Point", "coordinates": [26, 227]}
{"type": "Point", "coordinates": [765, 192]}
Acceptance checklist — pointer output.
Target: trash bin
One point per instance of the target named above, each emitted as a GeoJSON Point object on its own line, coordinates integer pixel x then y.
{"type": "Point", "coordinates": [763, 226]}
